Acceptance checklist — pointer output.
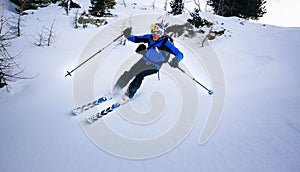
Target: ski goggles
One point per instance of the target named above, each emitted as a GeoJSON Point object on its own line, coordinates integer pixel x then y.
{"type": "Point", "coordinates": [156, 29]}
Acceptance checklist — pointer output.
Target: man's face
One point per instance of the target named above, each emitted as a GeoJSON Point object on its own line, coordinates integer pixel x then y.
{"type": "Point", "coordinates": [156, 36]}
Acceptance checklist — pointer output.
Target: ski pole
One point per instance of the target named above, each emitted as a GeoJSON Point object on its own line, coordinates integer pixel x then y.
{"type": "Point", "coordinates": [210, 92]}
{"type": "Point", "coordinates": [69, 73]}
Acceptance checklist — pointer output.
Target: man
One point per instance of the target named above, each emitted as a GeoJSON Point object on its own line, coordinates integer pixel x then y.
{"type": "Point", "coordinates": [154, 55]}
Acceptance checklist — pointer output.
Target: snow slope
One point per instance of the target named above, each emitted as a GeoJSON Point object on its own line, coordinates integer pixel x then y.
{"type": "Point", "coordinates": [259, 131]}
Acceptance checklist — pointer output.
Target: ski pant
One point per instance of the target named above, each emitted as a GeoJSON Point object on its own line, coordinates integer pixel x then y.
{"type": "Point", "coordinates": [138, 71]}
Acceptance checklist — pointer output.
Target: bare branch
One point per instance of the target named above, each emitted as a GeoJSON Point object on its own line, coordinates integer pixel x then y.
{"type": "Point", "coordinates": [197, 3]}
{"type": "Point", "coordinates": [124, 3]}
{"type": "Point", "coordinates": [46, 36]}
{"type": "Point", "coordinates": [21, 10]}
{"type": "Point", "coordinates": [10, 70]}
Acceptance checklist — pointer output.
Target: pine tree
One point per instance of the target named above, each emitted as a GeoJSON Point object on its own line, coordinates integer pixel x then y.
{"type": "Point", "coordinates": [31, 4]}
{"type": "Point", "coordinates": [253, 9]}
{"type": "Point", "coordinates": [196, 19]}
{"type": "Point", "coordinates": [247, 9]}
{"type": "Point", "coordinates": [177, 7]}
{"type": "Point", "coordinates": [101, 7]}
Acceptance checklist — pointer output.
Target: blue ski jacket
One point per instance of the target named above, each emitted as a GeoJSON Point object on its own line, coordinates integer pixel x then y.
{"type": "Point", "coordinates": [157, 51]}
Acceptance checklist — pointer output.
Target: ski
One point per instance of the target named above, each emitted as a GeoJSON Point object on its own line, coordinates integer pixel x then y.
{"type": "Point", "coordinates": [85, 107]}
{"type": "Point", "coordinates": [105, 111]}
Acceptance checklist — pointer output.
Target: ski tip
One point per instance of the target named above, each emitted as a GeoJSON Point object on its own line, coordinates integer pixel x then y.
{"type": "Point", "coordinates": [74, 112]}
{"type": "Point", "coordinates": [210, 92]}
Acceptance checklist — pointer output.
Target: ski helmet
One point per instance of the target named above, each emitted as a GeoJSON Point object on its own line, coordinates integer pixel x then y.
{"type": "Point", "coordinates": [157, 28]}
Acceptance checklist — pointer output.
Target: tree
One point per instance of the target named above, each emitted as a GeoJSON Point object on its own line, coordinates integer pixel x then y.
{"type": "Point", "coordinates": [196, 19]}
{"type": "Point", "coordinates": [166, 5]}
{"type": "Point", "coordinates": [177, 7]}
{"type": "Point", "coordinates": [247, 9]}
{"type": "Point", "coordinates": [10, 70]}
{"type": "Point", "coordinates": [68, 4]}
{"type": "Point", "coordinates": [20, 11]}
{"type": "Point", "coordinates": [47, 35]}
{"type": "Point", "coordinates": [101, 8]}
{"type": "Point", "coordinates": [31, 4]}
{"type": "Point", "coordinates": [197, 3]}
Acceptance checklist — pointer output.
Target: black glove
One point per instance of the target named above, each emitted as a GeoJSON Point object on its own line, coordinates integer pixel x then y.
{"type": "Point", "coordinates": [141, 49]}
{"type": "Point", "coordinates": [127, 32]}
{"type": "Point", "coordinates": [174, 62]}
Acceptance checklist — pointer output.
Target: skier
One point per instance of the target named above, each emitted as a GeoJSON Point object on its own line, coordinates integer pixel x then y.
{"type": "Point", "coordinates": [154, 55]}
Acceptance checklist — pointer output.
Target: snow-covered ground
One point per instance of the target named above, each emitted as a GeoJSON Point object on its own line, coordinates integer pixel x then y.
{"type": "Point", "coordinates": [259, 130]}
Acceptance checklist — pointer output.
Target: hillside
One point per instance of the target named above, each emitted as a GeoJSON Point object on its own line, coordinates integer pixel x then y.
{"type": "Point", "coordinates": [259, 128]}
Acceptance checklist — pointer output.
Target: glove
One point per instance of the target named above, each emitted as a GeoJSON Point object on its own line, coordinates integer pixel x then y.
{"type": "Point", "coordinates": [127, 32]}
{"type": "Point", "coordinates": [174, 62]}
{"type": "Point", "coordinates": [141, 49]}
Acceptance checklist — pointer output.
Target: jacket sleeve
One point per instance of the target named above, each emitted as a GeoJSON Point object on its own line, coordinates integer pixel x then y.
{"type": "Point", "coordinates": [139, 39]}
{"type": "Point", "coordinates": [174, 50]}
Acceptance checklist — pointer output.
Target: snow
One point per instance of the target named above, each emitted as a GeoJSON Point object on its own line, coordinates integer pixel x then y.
{"type": "Point", "coordinates": [259, 130]}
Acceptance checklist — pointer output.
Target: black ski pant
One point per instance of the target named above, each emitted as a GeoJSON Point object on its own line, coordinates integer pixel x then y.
{"type": "Point", "coordinates": [138, 71]}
